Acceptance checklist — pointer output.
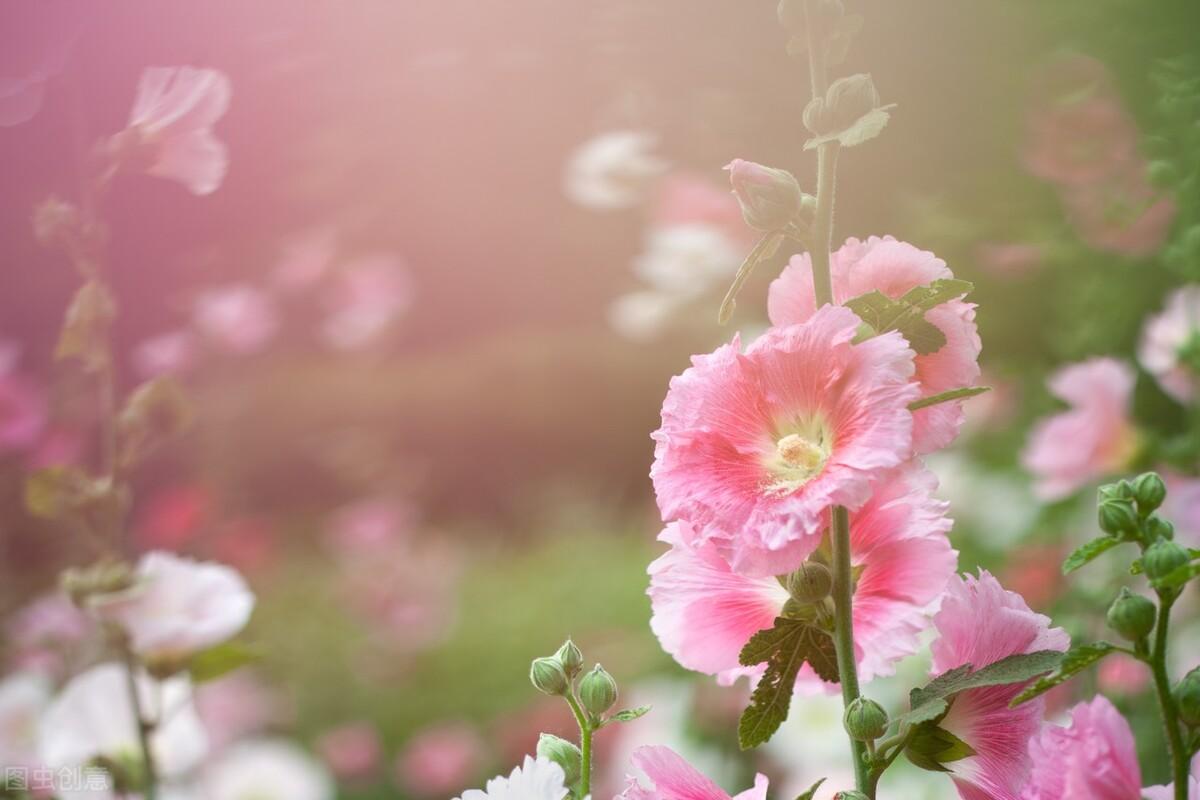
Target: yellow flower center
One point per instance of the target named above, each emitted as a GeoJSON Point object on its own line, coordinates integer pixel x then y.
{"type": "Point", "coordinates": [799, 456]}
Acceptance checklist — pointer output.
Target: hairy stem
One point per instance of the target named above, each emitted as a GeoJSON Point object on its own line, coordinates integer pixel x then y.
{"type": "Point", "coordinates": [1166, 703]}
{"type": "Point", "coordinates": [585, 744]}
{"type": "Point", "coordinates": [843, 633]}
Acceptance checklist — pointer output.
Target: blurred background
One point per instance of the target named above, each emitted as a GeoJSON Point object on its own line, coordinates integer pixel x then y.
{"type": "Point", "coordinates": [429, 316]}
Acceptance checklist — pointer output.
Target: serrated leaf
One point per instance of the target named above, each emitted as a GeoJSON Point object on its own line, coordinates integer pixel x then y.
{"type": "Point", "coordinates": [931, 747]}
{"type": "Point", "coordinates": [812, 791]}
{"type": "Point", "coordinates": [923, 337]}
{"type": "Point", "coordinates": [1074, 661]}
{"type": "Point", "coordinates": [630, 714]}
{"type": "Point", "coordinates": [1085, 553]}
{"type": "Point", "coordinates": [934, 294]}
{"type": "Point", "coordinates": [931, 701]}
{"type": "Point", "coordinates": [1178, 576]}
{"type": "Point", "coordinates": [784, 648]}
{"type": "Point", "coordinates": [906, 314]}
{"type": "Point", "coordinates": [210, 664]}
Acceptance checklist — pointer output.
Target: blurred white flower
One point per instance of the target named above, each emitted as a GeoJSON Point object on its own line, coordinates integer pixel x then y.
{"type": "Point", "coordinates": [536, 779]}
{"type": "Point", "coordinates": [165, 354]}
{"type": "Point", "coordinates": [371, 294]}
{"type": "Point", "coordinates": [1164, 339]}
{"type": "Point", "coordinates": [994, 503]}
{"type": "Point", "coordinates": [266, 769]}
{"type": "Point", "coordinates": [612, 170]}
{"type": "Point", "coordinates": [686, 260]}
{"type": "Point", "coordinates": [93, 716]}
{"type": "Point", "coordinates": [642, 315]}
{"type": "Point", "coordinates": [23, 698]}
{"type": "Point", "coordinates": [178, 606]}
{"type": "Point", "coordinates": [239, 317]}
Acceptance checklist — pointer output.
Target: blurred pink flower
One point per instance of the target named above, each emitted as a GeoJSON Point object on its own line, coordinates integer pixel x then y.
{"type": "Point", "coordinates": [440, 760]}
{"type": "Point", "coordinates": [685, 198]}
{"type": "Point", "coordinates": [173, 516]}
{"type": "Point", "coordinates": [612, 170]}
{"type": "Point", "coordinates": [168, 353]}
{"type": "Point", "coordinates": [235, 706]}
{"type": "Point", "coordinates": [370, 294]}
{"type": "Point", "coordinates": [1009, 259]}
{"type": "Point", "coordinates": [239, 318]}
{"type": "Point", "coordinates": [1168, 792]}
{"type": "Point", "coordinates": [248, 543]}
{"type": "Point", "coordinates": [369, 525]}
{"type": "Point", "coordinates": [57, 447]}
{"type": "Point", "coordinates": [177, 606]}
{"type": "Point", "coordinates": [42, 635]}
{"type": "Point", "coordinates": [1094, 757]}
{"type": "Point", "coordinates": [1120, 674]}
{"type": "Point", "coordinates": [1082, 139]}
{"type": "Point", "coordinates": [755, 447]}
{"type": "Point", "coordinates": [171, 123]}
{"type": "Point", "coordinates": [1037, 575]}
{"type": "Point", "coordinates": [1123, 214]}
{"type": "Point", "coordinates": [23, 412]}
{"type": "Point", "coordinates": [351, 751]}
{"type": "Point", "coordinates": [704, 613]}
{"type": "Point", "coordinates": [980, 623]}
{"type": "Point", "coordinates": [1182, 506]}
{"type": "Point", "coordinates": [1094, 438]}
{"type": "Point", "coordinates": [407, 595]}
{"type": "Point", "coordinates": [304, 260]}
{"type": "Point", "coordinates": [672, 778]}
{"type": "Point", "coordinates": [893, 267]}
{"type": "Point", "coordinates": [1166, 336]}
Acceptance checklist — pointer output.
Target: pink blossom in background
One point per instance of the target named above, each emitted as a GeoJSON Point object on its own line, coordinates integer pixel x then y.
{"type": "Point", "coordinates": [24, 696]}
{"type": "Point", "coordinates": [980, 623]}
{"type": "Point", "coordinates": [352, 751]}
{"type": "Point", "coordinates": [173, 516]}
{"type": "Point", "coordinates": [305, 260]}
{"type": "Point", "coordinates": [237, 705]}
{"type": "Point", "coordinates": [1164, 338]}
{"type": "Point", "coordinates": [43, 635]}
{"type": "Point", "coordinates": [1120, 674]}
{"type": "Point", "coordinates": [1182, 506]}
{"type": "Point", "coordinates": [369, 295]}
{"type": "Point", "coordinates": [408, 596]}
{"type": "Point", "coordinates": [170, 353]}
{"type": "Point", "coordinates": [755, 447]}
{"type": "Point", "coordinates": [704, 612]}
{"type": "Point", "coordinates": [171, 123]}
{"type": "Point", "coordinates": [1081, 140]}
{"type": "Point", "coordinates": [1168, 792]}
{"type": "Point", "coordinates": [893, 267]}
{"type": "Point", "coordinates": [369, 525]}
{"type": "Point", "coordinates": [23, 412]}
{"type": "Point", "coordinates": [238, 318]}
{"type": "Point", "coordinates": [1037, 574]}
{"type": "Point", "coordinates": [57, 447]}
{"type": "Point", "coordinates": [672, 778]}
{"type": "Point", "coordinates": [613, 170]}
{"type": "Point", "coordinates": [1010, 259]}
{"type": "Point", "coordinates": [248, 543]}
{"type": "Point", "coordinates": [685, 198]}
{"type": "Point", "coordinates": [1093, 757]}
{"type": "Point", "coordinates": [442, 759]}
{"type": "Point", "coordinates": [1092, 439]}
{"type": "Point", "coordinates": [1123, 215]}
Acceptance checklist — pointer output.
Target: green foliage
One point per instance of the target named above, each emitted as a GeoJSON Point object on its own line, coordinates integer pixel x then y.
{"type": "Point", "coordinates": [931, 747]}
{"type": "Point", "coordinates": [784, 648]}
{"type": "Point", "coordinates": [1178, 576]}
{"type": "Point", "coordinates": [1075, 661]}
{"type": "Point", "coordinates": [220, 660]}
{"type": "Point", "coordinates": [1086, 553]}
{"type": "Point", "coordinates": [811, 791]}
{"type": "Point", "coordinates": [907, 313]}
{"type": "Point", "coordinates": [84, 334]}
{"type": "Point", "coordinates": [629, 714]}
{"type": "Point", "coordinates": [932, 701]}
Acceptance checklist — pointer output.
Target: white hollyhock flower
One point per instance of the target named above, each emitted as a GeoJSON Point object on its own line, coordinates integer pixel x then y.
{"type": "Point", "coordinates": [93, 716]}
{"type": "Point", "coordinates": [1165, 336]}
{"type": "Point", "coordinates": [685, 260]}
{"type": "Point", "coordinates": [642, 315]}
{"type": "Point", "coordinates": [536, 779]}
{"type": "Point", "coordinates": [23, 697]}
{"type": "Point", "coordinates": [266, 769]}
{"type": "Point", "coordinates": [178, 606]}
{"type": "Point", "coordinates": [612, 170]}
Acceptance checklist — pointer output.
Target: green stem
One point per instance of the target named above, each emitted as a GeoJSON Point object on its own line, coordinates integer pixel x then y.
{"type": "Point", "coordinates": [1166, 703]}
{"type": "Point", "coordinates": [585, 744]}
{"type": "Point", "coordinates": [843, 634]}
{"type": "Point", "coordinates": [144, 726]}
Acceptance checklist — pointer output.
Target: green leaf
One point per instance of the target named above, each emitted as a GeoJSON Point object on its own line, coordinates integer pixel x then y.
{"type": "Point", "coordinates": [945, 397]}
{"type": "Point", "coordinates": [84, 334]}
{"type": "Point", "coordinates": [221, 659]}
{"type": "Point", "coordinates": [156, 412]}
{"type": "Point", "coordinates": [629, 714]}
{"type": "Point", "coordinates": [1178, 576]}
{"type": "Point", "coordinates": [1074, 661]}
{"type": "Point", "coordinates": [812, 790]}
{"type": "Point", "coordinates": [930, 702]}
{"type": "Point", "coordinates": [906, 314]}
{"type": "Point", "coordinates": [931, 747]}
{"type": "Point", "coordinates": [52, 492]}
{"type": "Point", "coordinates": [783, 648]}
{"type": "Point", "coordinates": [943, 290]}
{"type": "Point", "coordinates": [1086, 553]}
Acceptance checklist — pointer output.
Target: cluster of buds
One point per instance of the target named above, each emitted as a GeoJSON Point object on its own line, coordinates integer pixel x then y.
{"type": "Point", "coordinates": [556, 675]}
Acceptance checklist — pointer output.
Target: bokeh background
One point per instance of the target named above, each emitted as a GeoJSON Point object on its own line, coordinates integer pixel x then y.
{"type": "Point", "coordinates": [424, 509]}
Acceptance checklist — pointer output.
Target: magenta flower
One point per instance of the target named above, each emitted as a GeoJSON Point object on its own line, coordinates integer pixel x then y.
{"type": "Point", "coordinates": [673, 778]}
{"type": "Point", "coordinates": [704, 612]}
{"type": "Point", "coordinates": [1093, 757]}
{"type": "Point", "coordinates": [1164, 339]}
{"type": "Point", "coordinates": [23, 412]}
{"type": "Point", "coordinates": [755, 447]}
{"type": "Point", "coordinates": [980, 623]}
{"type": "Point", "coordinates": [1094, 438]}
{"type": "Point", "coordinates": [893, 267]}
{"type": "Point", "coordinates": [172, 120]}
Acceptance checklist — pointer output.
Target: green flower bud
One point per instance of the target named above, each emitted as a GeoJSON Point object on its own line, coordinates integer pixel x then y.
{"type": "Point", "coordinates": [563, 753]}
{"type": "Point", "coordinates": [598, 691]}
{"type": "Point", "coordinates": [1158, 528]}
{"type": "Point", "coordinates": [1131, 615]}
{"type": "Point", "coordinates": [1150, 491]}
{"type": "Point", "coordinates": [1117, 517]}
{"type": "Point", "coordinates": [810, 583]}
{"type": "Point", "coordinates": [1122, 490]}
{"type": "Point", "coordinates": [571, 659]}
{"type": "Point", "coordinates": [770, 198]}
{"type": "Point", "coordinates": [548, 676]}
{"type": "Point", "coordinates": [1187, 698]}
{"type": "Point", "coordinates": [850, 795]}
{"type": "Point", "coordinates": [865, 720]}
{"type": "Point", "coordinates": [1162, 558]}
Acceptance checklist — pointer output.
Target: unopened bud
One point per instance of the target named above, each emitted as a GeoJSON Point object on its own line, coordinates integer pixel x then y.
{"type": "Point", "coordinates": [1187, 698]}
{"type": "Point", "coordinates": [1150, 491]}
{"type": "Point", "coordinates": [848, 100]}
{"type": "Point", "coordinates": [1122, 490]}
{"type": "Point", "coordinates": [563, 753]}
{"type": "Point", "coordinates": [850, 795]}
{"type": "Point", "coordinates": [1131, 615]}
{"type": "Point", "coordinates": [571, 658]}
{"type": "Point", "coordinates": [770, 198]}
{"type": "Point", "coordinates": [1163, 558]}
{"type": "Point", "coordinates": [547, 676]}
{"type": "Point", "coordinates": [1117, 517]}
{"type": "Point", "coordinates": [598, 691]}
{"type": "Point", "coordinates": [865, 720]}
{"type": "Point", "coordinates": [1158, 528]}
{"type": "Point", "coordinates": [811, 582]}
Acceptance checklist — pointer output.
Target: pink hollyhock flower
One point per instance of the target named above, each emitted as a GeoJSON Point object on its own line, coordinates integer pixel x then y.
{"type": "Point", "coordinates": [239, 318]}
{"type": "Point", "coordinates": [1093, 757]}
{"type": "Point", "coordinates": [612, 170]}
{"type": "Point", "coordinates": [1009, 259]}
{"type": "Point", "coordinates": [980, 623]}
{"type": "Point", "coordinates": [1168, 792]}
{"type": "Point", "coordinates": [1080, 141]}
{"type": "Point", "coordinates": [894, 267]}
{"type": "Point", "coordinates": [44, 635]}
{"type": "Point", "coordinates": [171, 125]}
{"type": "Point", "coordinates": [1120, 674]}
{"type": "Point", "coordinates": [672, 778]}
{"type": "Point", "coordinates": [368, 525]}
{"type": "Point", "coordinates": [704, 612]}
{"type": "Point", "coordinates": [755, 447]}
{"type": "Point", "coordinates": [441, 759]}
{"type": "Point", "coordinates": [1165, 338]}
{"type": "Point", "coordinates": [1094, 438]}
{"type": "Point", "coordinates": [1123, 214]}
{"type": "Point", "coordinates": [168, 353]}
{"type": "Point", "coordinates": [352, 751]}
{"type": "Point", "coordinates": [1182, 506]}
{"type": "Point", "coordinates": [407, 595]}
{"type": "Point", "coordinates": [178, 606]}
{"type": "Point", "coordinates": [371, 294]}
{"type": "Point", "coordinates": [23, 412]}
